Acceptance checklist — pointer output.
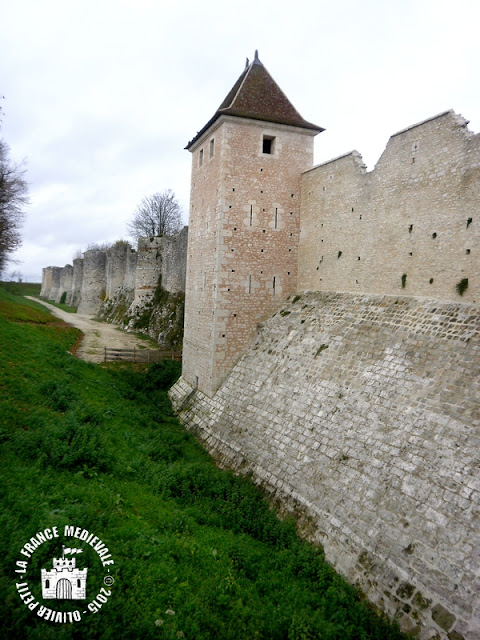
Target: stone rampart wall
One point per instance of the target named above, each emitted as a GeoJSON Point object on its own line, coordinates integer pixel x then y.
{"type": "Point", "coordinates": [94, 282]}
{"type": "Point", "coordinates": [131, 269]}
{"type": "Point", "coordinates": [363, 414]}
{"type": "Point", "coordinates": [160, 256]}
{"type": "Point", "coordinates": [149, 268]}
{"type": "Point", "coordinates": [77, 280]}
{"type": "Point", "coordinates": [55, 282]}
{"type": "Point", "coordinates": [174, 263]}
{"type": "Point", "coordinates": [411, 226]}
{"type": "Point", "coordinates": [102, 274]}
{"type": "Point", "coordinates": [116, 267]}
{"type": "Point", "coordinates": [46, 282]}
{"type": "Point", "coordinates": [66, 278]}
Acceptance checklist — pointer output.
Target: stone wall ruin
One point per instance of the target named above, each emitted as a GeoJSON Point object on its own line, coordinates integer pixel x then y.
{"type": "Point", "coordinates": [121, 275]}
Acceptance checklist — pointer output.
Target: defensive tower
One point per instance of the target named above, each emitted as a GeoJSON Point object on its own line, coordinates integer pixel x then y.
{"type": "Point", "coordinates": [244, 222]}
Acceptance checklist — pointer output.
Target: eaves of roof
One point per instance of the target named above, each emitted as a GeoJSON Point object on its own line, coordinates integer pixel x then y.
{"type": "Point", "coordinates": [256, 95]}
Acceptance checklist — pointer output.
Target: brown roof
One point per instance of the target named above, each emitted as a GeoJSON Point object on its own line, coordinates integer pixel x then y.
{"type": "Point", "coordinates": [256, 95]}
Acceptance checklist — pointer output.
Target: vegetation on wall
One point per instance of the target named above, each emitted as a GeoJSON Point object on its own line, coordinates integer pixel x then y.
{"type": "Point", "coordinates": [160, 317]}
{"type": "Point", "coordinates": [462, 286]}
{"type": "Point", "coordinates": [115, 309]}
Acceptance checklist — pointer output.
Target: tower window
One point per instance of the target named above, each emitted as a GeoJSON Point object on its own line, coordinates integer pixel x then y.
{"type": "Point", "coordinates": [267, 144]}
{"type": "Point", "coordinates": [212, 147]}
{"type": "Point", "coordinates": [200, 158]}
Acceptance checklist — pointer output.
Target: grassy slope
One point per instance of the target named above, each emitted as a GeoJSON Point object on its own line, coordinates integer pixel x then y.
{"type": "Point", "coordinates": [99, 448]}
{"type": "Point", "coordinates": [22, 288]}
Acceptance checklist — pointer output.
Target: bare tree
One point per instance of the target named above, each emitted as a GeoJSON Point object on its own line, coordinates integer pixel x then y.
{"type": "Point", "coordinates": [13, 198]}
{"type": "Point", "coordinates": [15, 276]}
{"type": "Point", "coordinates": [98, 246]}
{"type": "Point", "coordinates": [157, 215]}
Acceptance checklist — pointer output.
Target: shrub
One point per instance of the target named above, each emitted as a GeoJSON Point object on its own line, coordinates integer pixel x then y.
{"type": "Point", "coordinates": [462, 286]}
{"type": "Point", "coordinates": [162, 375]}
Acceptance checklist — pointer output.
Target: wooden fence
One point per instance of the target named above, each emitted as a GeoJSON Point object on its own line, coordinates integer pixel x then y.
{"type": "Point", "coordinates": [112, 354]}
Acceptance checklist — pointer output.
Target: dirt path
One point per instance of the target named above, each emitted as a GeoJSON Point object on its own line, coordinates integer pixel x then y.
{"type": "Point", "coordinates": [97, 334]}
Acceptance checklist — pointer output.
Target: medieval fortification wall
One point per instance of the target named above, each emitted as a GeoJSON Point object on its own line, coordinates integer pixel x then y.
{"type": "Point", "coordinates": [411, 226]}
{"type": "Point", "coordinates": [102, 274]}
{"type": "Point", "coordinates": [361, 413]}
{"type": "Point", "coordinates": [357, 404]}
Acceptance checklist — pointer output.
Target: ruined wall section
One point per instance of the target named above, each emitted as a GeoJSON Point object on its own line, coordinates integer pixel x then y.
{"type": "Point", "coordinates": [410, 227]}
{"type": "Point", "coordinates": [94, 281]}
{"type": "Point", "coordinates": [149, 268]}
{"type": "Point", "coordinates": [65, 287]}
{"type": "Point", "coordinates": [363, 413]}
{"type": "Point", "coordinates": [156, 305]}
{"type": "Point", "coordinates": [116, 267]}
{"type": "Point", "coordinates": [55, 283]}
{"type": "Point", "coordinates": [160, 259]}
{"type": "Point", "coordinates": [131, 269]}
{"type": "Point", "coordinates": [77, 280]}
{"type": "Point", "coordinates": [174, 262]}
{"type": "Point", "coordinates": [46, 282]}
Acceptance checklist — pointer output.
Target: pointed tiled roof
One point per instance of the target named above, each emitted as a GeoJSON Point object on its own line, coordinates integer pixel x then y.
{"type": "Point", "coordinates": [256, 95]}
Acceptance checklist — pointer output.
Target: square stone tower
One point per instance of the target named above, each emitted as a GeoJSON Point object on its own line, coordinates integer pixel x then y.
{"type": "Point", "coordinates": [244, 222]}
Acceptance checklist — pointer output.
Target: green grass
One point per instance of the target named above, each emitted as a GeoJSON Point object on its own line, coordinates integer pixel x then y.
{"type": "Point", "coordinates": [22, 288]}
{"type": "Point", "coordinates": [99, 448]}
{"type": "Point", "coordinates": [63, 306]}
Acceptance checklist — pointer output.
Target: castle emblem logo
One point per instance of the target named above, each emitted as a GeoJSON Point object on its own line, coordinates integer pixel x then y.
{"type": "Point", "coordinates": [65, 581]}
{"type": "Point", "coordinates": [59, 579]}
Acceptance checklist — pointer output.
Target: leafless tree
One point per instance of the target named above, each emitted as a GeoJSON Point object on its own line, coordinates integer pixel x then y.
{"type": "Point", "coordinates": [13, 199]}
{"type": "Point", "coordinates": [157, 215]}
{"type": "Point", "coordinates": [98, 246]}
{"type": "Point", "coordinates": [15, 276]}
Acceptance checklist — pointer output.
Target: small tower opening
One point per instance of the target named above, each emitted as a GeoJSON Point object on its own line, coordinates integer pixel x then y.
{"type": "Point", "coordinates": [268, 144]}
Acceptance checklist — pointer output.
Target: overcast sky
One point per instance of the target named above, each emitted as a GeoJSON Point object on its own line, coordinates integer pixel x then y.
{"type": "Point", "coordinates": [101, 96]}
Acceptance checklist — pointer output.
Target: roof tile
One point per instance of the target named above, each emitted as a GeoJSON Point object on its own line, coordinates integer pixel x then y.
{"type": "Point", "coordinates": [256, 95]}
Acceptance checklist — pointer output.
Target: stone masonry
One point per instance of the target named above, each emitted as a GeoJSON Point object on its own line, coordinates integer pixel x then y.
{"type": "Point", "coordinates": [46, 282]}
{"type": "Point", "coordinates": [94, 281]}
{"type": "Point", "coordinates": [66, 278]}
{"type": "Point", "coordinates": [411, 226]}
{"type": "Point", "coordinates": [56, 275]}
{"type": "Point", "coordinates": [120, 270]}
{"type": "Point", "coordinates": [362, 413]}
{"type": "Point", "coordinates": [77, 279]}
{"type": "Point", "coordinates": [244, 222]}
{"type": "Point", "coordinates": [356, 410]}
